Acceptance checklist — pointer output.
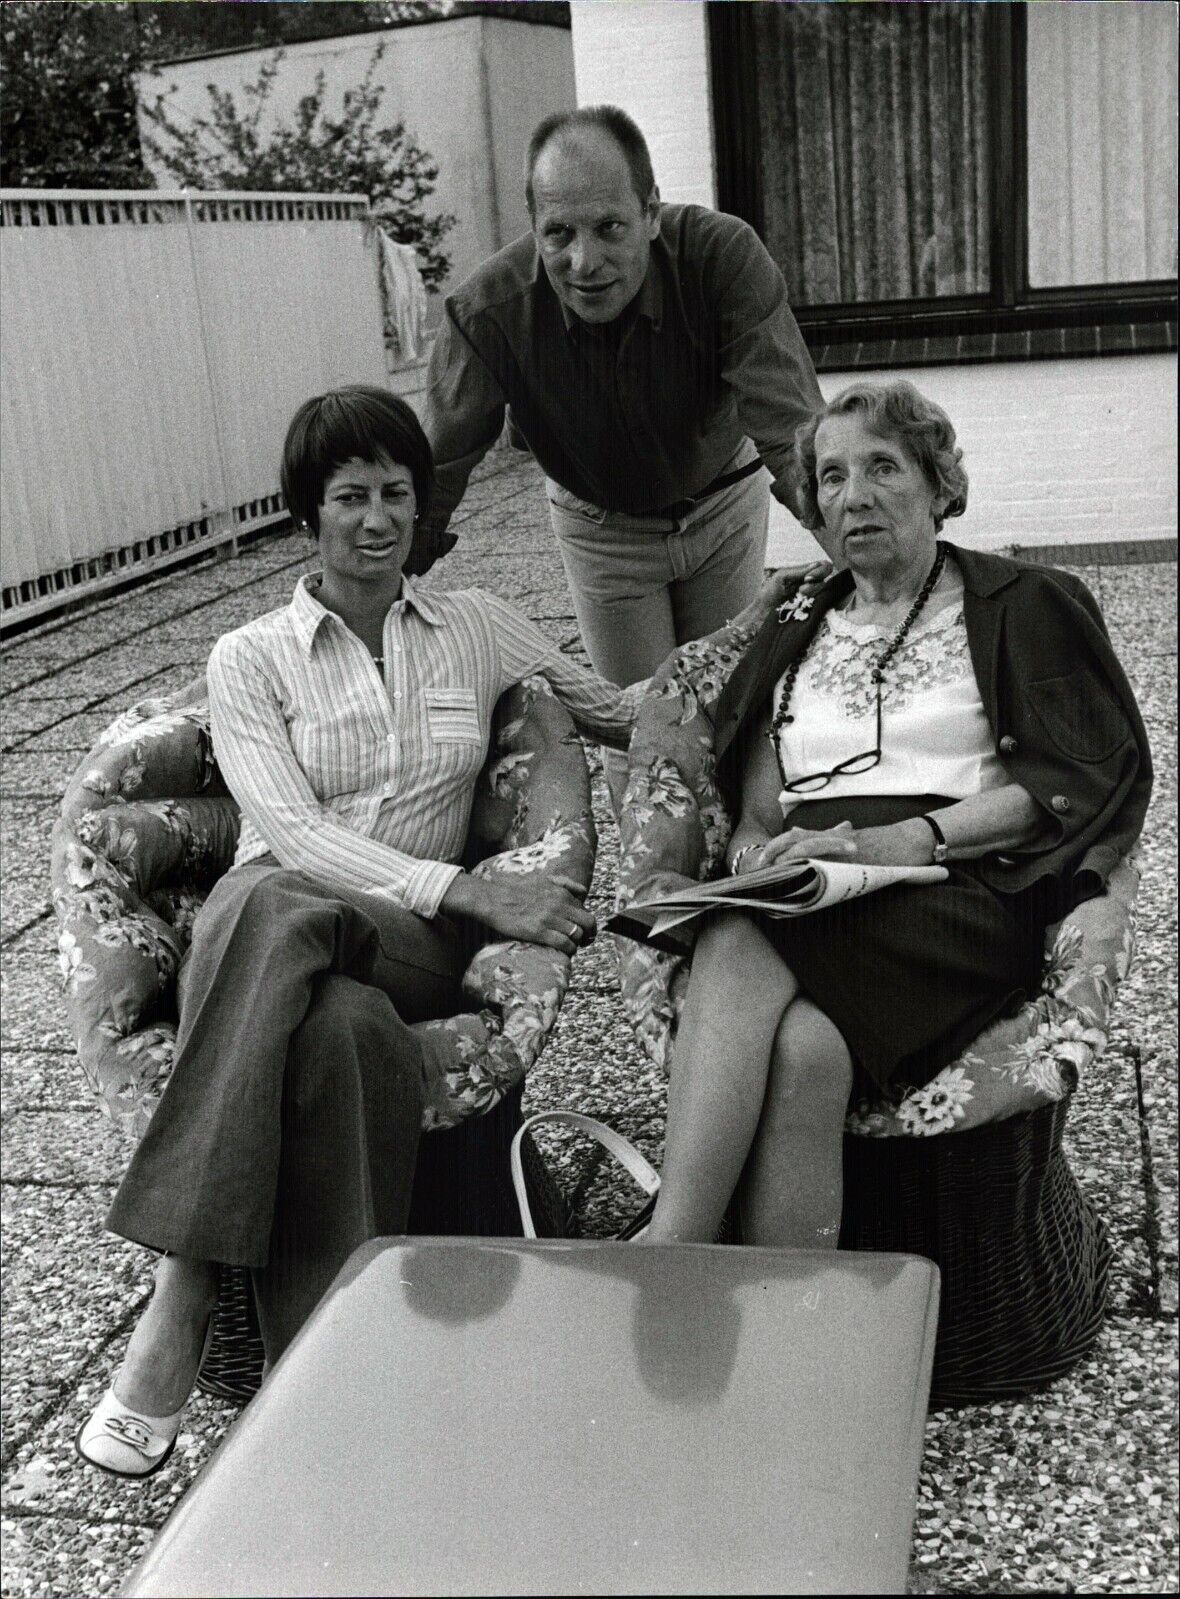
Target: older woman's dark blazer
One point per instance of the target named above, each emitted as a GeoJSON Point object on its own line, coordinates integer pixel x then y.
{"type": "Point", "coordinates": [1065, 721]}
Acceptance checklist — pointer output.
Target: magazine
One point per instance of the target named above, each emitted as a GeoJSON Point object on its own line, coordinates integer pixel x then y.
{"type": "Point", "coordinates": [788, 888]}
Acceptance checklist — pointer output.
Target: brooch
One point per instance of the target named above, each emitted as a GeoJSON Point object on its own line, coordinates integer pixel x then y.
{"type": "Point", "coordinates": [797, 608]}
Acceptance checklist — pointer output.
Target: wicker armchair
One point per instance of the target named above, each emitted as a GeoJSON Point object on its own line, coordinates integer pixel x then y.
{"type": "Point", "coordinates": [147, 827]}
{"type": "Point", "coordinates": [967, 1170]}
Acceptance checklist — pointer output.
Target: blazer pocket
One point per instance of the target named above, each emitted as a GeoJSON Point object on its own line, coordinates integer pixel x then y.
{"type": "Point", "coordinates": [452, 715]}
{"type": "Point", "coordinates": [1082, 719]}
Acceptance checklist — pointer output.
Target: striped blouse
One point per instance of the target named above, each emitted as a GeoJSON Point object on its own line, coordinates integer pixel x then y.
{"type": "Point", "coordinates": [367, 782]}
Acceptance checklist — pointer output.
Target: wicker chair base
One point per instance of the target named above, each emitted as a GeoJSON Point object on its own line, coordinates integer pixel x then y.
{"type": "Point", "coordinates": [232, 1368]}
{"type": "Point", "coordinates": [1023, 1255]}
{"type": "Point", "coordinates": [462, 1187]}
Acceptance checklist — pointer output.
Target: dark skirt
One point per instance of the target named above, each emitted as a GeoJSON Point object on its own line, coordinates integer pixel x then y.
{"type": "Point", "coordinates": [911, 975]}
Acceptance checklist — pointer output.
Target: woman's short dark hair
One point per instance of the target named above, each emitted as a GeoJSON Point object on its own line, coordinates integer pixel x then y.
{"type": "Point", "coordinates": [895, 410]}
{"type": "Point", "coordinates": [358, 422]}
{"type": "Point", "coordinates": [624, 130]}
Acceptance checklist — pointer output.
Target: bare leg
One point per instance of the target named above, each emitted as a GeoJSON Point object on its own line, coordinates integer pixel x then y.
{"type": "Point", "coordinates": [737, 993]}
{"type": "Point", "coordinates": [160, 1366]}
{"type": "Point", "coordinates": [792, 1187]}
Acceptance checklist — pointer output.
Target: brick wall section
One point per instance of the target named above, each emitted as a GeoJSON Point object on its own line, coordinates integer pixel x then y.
{"type": "Point", "coordinates": [1057, 452]}
{"type": "Point", "coordinates": [651, 58]}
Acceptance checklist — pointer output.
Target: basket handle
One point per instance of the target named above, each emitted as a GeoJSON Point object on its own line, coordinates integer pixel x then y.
{"type": "Point", "coordinates": [621, 1148]}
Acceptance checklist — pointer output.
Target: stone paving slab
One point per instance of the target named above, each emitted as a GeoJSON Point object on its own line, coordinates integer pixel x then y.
{"type": "Point", "coordinates": [25, 826]}
{"type": "Point", "coordinates": [1140, 609]}
{"type": "Point", "coordinates": [56, 1550]}
{"type": "Point", "coordinates": [129, 671]}
{"type": "Point", "coordinates": [11, 705]}
{"type": "Point", "coordinates": [31, 1009]}
{"type": "Point", "coordinates": [25, 776]}
{"type": "Point", "coordinates": [77, 1148]}
{"type": "Point", "coordinates": [31, 715]}
{"type": "Point", "coordinates": [70, 1290]}
{"type": "Point", "coordinates": [1068, 1491]}
{"type": "Point", "coordinates": [115, 691]}
{"type": "Point", "coordinates": [75, 733]}
{"type": "Point", "coordinates": [43, 1079]}
{"type": "Point", "coordinates": [1102, 1139]}
{"type": "Point", "coordinates": [95, 1498]}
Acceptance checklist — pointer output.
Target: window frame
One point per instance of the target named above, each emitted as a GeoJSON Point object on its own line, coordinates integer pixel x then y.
{"type": "Point", "coordinates": [1010, 305]}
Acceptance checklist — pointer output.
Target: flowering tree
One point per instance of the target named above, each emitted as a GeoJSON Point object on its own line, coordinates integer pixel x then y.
{"type": "Point", "coordinates": [236, 147]}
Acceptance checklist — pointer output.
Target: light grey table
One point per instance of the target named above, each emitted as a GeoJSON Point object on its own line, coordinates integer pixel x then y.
{"type": "Point", "coordinates": [486, 1417]}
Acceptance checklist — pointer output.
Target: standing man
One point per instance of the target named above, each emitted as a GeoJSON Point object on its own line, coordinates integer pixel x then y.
{"type": "Point", "coordinates": [647, 356]}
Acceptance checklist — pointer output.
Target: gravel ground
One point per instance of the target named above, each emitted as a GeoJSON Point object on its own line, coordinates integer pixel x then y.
{"type": "Point", "coordinates": [1072, 1490]}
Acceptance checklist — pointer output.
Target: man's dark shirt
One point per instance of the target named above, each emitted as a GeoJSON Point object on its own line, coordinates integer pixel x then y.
{"type": "Point", "coordinates": [633, 414]}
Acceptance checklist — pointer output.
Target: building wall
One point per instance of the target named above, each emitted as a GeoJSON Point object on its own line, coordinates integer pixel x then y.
{"type": "Point", "coordinates": [1063, 452]}
{"type": "Point", "coordinates": [470, 90]}
{"type": "Point", "coordinates": [1081, 451]}
{"type": "Point", "coordinates": [651, 57]}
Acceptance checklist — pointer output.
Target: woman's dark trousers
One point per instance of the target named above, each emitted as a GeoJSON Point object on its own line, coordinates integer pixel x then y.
{"type": "Point", "coordinates": [288, 1131]}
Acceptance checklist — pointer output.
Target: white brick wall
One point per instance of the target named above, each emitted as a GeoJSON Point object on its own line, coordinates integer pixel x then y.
{"type": "Point", "coordinates": [651, 58]}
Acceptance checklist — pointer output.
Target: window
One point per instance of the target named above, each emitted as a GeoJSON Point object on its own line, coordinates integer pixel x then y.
{"type": "Point", "coordinates": [978, 161]}
{"type": "Point", "coordinates": [873, 148]}
{"type": "Point", "coordinates": [1101, 144]}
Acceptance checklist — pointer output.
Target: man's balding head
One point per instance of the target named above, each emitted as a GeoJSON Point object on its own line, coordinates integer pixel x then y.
{"type": "Point", "coordinates": [570, 130]}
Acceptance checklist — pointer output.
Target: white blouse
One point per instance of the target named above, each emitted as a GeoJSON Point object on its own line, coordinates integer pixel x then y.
{"type": "Point", "coordinates": [935, 736]}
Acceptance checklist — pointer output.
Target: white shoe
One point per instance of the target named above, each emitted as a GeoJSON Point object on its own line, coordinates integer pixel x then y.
{"type": "Point", "coordinates": [127, 1443]}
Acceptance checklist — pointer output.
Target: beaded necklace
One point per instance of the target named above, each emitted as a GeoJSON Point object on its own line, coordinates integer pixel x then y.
{"type": "Point", "coordinates": [782, 716]}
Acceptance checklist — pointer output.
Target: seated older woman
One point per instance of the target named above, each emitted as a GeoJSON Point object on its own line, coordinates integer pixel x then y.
{"type": "Point", "coordinates": [927, 704]}
{"type": "Point", "coordinates": [350, 726]}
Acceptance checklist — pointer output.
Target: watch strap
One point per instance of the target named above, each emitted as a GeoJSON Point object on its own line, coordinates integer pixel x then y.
{"type": "Point", "coordinates": [941, 847]}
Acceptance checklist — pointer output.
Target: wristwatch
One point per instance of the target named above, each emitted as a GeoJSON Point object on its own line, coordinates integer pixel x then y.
{"type": "Point", "coordinates": [942, 850]}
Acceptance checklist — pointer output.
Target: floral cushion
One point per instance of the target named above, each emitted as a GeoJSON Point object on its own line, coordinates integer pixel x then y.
{"type": "Point", "coordinates": [674, 828]}
{"type": "Point", "coordinates": [147, 827]}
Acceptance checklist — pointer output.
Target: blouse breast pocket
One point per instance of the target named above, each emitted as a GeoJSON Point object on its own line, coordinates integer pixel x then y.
{"type": "Point", "coordinates": [1079, 715]}
{"type": "Point", "coordinates": [452, 715]}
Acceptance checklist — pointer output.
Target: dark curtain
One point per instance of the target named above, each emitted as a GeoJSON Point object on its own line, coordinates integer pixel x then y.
{"type": "Point", "coordinates": [873, 148]}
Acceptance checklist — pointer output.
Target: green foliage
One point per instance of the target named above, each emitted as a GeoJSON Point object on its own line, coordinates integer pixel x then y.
{"type": "Point", "coordinates": [67, 115]}
{"type": "Point", "coordinates": [239, 147]}
{"type": "Point", "coordinates": [67, 112]}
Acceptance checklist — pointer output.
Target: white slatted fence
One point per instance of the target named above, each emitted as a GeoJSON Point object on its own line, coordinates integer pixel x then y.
{"type": "Point", "coordinates": [153, 346]}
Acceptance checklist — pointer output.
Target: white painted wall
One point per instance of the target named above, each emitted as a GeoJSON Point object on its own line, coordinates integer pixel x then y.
{"type": "Point", "coordinates": [469, 89]}
{"type": "Point", "coordinates": [651, 57]}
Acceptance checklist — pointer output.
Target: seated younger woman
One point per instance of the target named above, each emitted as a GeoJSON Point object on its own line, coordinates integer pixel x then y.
{"type": "Point", "coordinates": [350, 726]}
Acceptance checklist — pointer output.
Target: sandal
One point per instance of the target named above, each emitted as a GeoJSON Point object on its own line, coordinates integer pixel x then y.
{"type": "Point", "coordinates": [125, 1442]}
